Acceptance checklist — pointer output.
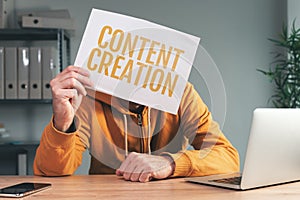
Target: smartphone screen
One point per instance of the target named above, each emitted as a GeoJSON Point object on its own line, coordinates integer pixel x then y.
{"type": "Point", "coordinates": [22, 189]}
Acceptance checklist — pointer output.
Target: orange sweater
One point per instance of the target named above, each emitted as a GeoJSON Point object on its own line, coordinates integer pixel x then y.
{"type": "Point", "coordinates": [109, 131]}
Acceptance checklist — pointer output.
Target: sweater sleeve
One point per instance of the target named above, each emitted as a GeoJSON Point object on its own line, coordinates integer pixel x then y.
{"type": "Point", "coordinates": [59, 153]}
{"type": "Point", "coordinates": [212, 152]}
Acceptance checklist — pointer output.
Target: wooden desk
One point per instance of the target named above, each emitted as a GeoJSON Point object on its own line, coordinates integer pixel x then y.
{"type": "Point", "coordinates": [113, 187]}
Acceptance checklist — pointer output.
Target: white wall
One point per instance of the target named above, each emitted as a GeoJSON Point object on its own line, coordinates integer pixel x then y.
{"type": "Point", "coordinates": [293, 12]}
{"type": "Point", "coordinates": [233, 32]}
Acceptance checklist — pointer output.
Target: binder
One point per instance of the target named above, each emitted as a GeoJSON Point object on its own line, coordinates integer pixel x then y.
{"type": "Point", "coordinates": [2, 73]}
{"type": "Point", "coordinates": [47, 22]}
{"type": "Point", "coordinates": [10, 69]}
{"type": "Point", "coordinates": [7, 13]}
{"type": "Point", "coordinates": [22, 163]}
{"type": "Point", "coordinates": [57, 13]}
{"type": "Point", "coordinates": [23, 72]}
{"type": "Point", "coordinates": [49, 70]}
{"type": "Point", "coordinates": [35, 73]}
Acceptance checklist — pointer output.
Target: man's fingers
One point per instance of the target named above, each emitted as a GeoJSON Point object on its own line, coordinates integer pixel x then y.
{"type": "Point", "coordinates": [78, 70]}
{"type": "Point", "coordinates": [130, 159]}
{"type": "Point", "coordinates": [68, 93]}
{"type": "Point", "coordinates": [129, 166]}
{"type": "Point", "coordinates": [135, 175]}
{"type": "Point", "coordinates": [145, 177]}
{"type": "Point", "coordinates": [143, 167]}
{"type": "Point", "coordinates": [133, 169]}
{"type": "Point", "coordinates": [128, 170]}
{"type": "Point", "coordinates": [69, 83]}
{"type": "Point", "coordinates": [84, 80]}
{"type": "Point", "coordinates": [78, 73]}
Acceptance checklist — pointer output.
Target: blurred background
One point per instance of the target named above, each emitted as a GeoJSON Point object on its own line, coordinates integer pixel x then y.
{"type": "Point", "coordinates": [234, 34]}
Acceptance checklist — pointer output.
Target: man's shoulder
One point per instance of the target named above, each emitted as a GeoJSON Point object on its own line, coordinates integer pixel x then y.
{"type": "Point", "coordinates": [189, 89]}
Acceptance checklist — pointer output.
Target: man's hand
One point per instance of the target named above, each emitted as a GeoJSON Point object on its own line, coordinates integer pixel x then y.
{"type": "Point", "coordinates": [68, 87]}
{"type": "Point", "coordinates": [144, 167]}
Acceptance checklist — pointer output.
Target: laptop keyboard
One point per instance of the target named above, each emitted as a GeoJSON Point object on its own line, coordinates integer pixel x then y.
{"type": "Point", "coordinates": [232, 180]}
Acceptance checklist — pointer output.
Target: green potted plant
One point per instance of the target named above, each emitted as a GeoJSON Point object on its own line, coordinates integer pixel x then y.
{"type": "Point", "coordinates": [284, 72]}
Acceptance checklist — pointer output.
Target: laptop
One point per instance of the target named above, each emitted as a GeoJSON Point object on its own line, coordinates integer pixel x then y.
{"type": "Point", "coordinates": [273, 152]}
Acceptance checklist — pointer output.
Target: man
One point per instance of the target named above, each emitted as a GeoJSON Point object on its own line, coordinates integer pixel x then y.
{"type": "Point", "coordinates": [111, 128]}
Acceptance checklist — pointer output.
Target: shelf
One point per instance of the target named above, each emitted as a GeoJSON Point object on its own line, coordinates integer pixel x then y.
{"type": "Point", "coordinates": [33, 34]}
{"type": "Point", "coordinates": [58, 38]}
{"type": "Point", "coordinates": [25, 101]}
{"type": "Point", "coordinates": [19, 143]}
{"type": "Point", "coordinates": [61, 36]}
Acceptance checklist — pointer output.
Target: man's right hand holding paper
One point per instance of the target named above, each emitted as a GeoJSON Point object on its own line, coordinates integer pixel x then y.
{"type": "Point", "coordinates": [68, 88]}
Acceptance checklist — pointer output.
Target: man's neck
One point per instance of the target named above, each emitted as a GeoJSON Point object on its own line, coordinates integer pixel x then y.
{"type": "Point", "coordinates": [133, 107]}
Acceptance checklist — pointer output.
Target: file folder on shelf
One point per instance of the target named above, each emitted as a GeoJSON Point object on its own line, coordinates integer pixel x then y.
{"type": "Point", "coordinates": [7, 13]}
{"type": "Point", "coordinates": [46, 22]}
{"type": "Point", "coordinates": [22, 163]}
{"type": "Point", "coordinates": [2, 73]}
{"type": "Point", "coordinates": [49, 70]}
{"type": "Point", "coordinates": [23, 73]}
{"type": "Point", "coordinates": [35, 73]}
{"type": "Point", "coordinates": [57, 13]}
{"type": "Point", "coordinates": [10, 69]}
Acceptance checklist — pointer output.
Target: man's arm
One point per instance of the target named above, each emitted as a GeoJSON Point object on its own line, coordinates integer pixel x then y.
{"type": "Point", "coordinates": [60, 152]}
{"type": "Point", "coordinates": [213, 153]}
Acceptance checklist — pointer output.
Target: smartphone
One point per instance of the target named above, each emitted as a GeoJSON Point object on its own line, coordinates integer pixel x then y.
{"type": "Point", "coordinates": [23, 189]}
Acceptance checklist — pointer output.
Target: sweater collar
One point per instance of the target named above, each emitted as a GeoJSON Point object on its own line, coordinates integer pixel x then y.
{"type": "Point", "coordinates": [118, 103]}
